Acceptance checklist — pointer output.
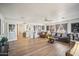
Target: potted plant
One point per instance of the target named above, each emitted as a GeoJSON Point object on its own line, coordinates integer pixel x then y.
{"type": "Point", "coordinates": [4, 40]}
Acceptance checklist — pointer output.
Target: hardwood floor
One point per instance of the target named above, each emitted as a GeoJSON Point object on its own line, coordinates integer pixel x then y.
{"type": "Point", "coordinates": [36, 47]}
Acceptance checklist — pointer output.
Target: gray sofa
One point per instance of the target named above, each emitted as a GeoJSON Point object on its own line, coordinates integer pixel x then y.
{"type": "Point", "coordinates": [65, 37]}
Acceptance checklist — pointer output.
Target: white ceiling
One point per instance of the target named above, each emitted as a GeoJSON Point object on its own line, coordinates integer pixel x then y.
{"type": "Point", "coordinates": [37, 12]}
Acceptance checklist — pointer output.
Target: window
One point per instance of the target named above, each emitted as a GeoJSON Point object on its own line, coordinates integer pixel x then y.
{"type": "Point", "coordinates": [47, 27]}
{"type": "Point", "coordinates": [75, 27]}
{"type": "Point", "coordinates": [11, 27]}
{"type": "Point", "coordinates": [42, 27]}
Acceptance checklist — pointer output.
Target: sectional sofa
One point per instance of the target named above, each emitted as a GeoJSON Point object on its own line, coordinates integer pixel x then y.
{"type": "Point", "coordinates": [63, 37]}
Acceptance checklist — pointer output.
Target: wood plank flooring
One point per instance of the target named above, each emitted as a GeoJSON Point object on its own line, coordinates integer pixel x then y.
{"type": "Point", "coordinates": [36, 47]}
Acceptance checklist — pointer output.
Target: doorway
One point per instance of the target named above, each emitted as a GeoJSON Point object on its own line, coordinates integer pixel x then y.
{"type": "Point", "coordinates": [20, 31]}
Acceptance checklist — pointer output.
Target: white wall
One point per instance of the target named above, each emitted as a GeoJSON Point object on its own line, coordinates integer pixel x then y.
{"type": "Point", "coordinates": [2, 26]}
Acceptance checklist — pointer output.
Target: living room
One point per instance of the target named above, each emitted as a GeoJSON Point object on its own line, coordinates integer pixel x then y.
{"type": "Point", "coordinates": [39, 29]}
